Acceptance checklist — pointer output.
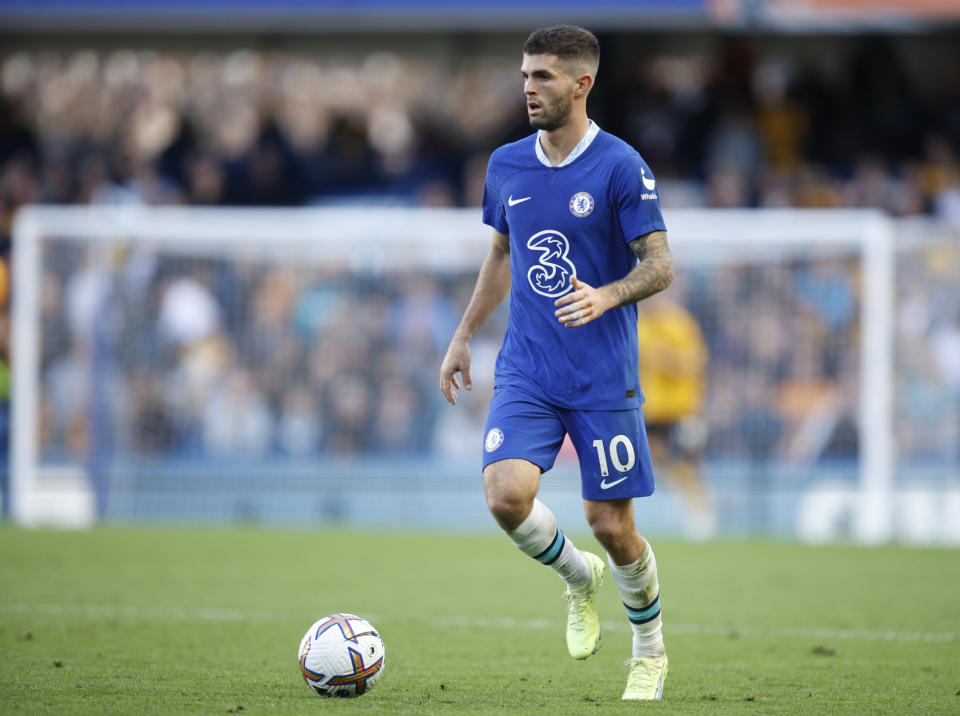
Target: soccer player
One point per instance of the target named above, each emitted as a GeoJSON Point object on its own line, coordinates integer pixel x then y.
{"type": "Point", "coordinates": [572, 210]}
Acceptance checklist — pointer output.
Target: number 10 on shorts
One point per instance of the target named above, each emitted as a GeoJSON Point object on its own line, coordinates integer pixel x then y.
{"type": "Point", "coordinates": [618, 464]}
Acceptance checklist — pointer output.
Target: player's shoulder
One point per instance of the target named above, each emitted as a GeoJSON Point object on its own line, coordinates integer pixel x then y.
{"type": "Point", "coordinates": [626, 168]}
{"type": "Point", "coordinates": [618, 151]}
{"type": "Point", "coordinates": [513, 154]}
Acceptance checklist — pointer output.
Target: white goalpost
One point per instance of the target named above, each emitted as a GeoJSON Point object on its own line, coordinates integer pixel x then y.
{"type": "Point", "coordinates": [778, 234]}
{"type": "Point", "coordinates": [107, 407]}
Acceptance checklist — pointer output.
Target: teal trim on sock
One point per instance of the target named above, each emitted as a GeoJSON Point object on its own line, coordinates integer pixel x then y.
{"type": "Point", "coordinates": [550, 554]}
{"type": "Point", "coordinates": [641, 616]}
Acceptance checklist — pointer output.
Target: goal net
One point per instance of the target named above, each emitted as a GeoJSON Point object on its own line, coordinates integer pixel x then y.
{"type": "Point", "coordinates": [281, 366]}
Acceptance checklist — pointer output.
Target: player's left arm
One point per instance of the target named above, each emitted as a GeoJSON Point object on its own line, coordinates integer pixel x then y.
{"type": "Point", "coordinates": [652, 274]}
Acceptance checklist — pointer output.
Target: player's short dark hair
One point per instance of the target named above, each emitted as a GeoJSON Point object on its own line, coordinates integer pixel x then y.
{"type": "Point", "coordinates": [568, 42]}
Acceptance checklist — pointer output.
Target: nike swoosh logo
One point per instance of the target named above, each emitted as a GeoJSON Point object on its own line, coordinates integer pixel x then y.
{"type": "Point", "coordinates": [513, 202]}
{"type": "Point", "coordinates": [604, 485]}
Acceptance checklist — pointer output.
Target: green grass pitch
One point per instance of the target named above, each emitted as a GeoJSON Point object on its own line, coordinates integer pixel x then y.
{"type": "Point", "coordinates": [208, 621]}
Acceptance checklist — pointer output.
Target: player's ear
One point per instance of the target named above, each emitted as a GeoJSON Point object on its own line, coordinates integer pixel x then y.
{"type": "Point", "coordinates": [584, 85]}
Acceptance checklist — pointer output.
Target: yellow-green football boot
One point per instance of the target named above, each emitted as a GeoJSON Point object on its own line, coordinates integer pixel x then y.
{"type": "Point", "coordinates": [583, 624]}
{"type": "Point", "coordinates": [645, 681]}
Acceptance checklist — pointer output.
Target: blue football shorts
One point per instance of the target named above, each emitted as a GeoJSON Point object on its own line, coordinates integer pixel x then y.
{"type": "Point", "coordinates": [611, 444]}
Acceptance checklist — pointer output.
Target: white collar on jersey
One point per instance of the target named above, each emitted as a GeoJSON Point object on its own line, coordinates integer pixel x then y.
{"type": "Point", "coordinates": [588, 138]}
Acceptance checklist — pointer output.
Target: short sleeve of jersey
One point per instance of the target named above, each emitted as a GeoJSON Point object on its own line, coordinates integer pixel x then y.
{"type": "Point", "coordinates": [493, 212]}
{"type": "Point", "coordinates": [637, 198]}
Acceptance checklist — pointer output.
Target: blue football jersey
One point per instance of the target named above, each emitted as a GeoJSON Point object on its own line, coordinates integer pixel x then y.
{"type": "Point", "coordinates": [576, 218]}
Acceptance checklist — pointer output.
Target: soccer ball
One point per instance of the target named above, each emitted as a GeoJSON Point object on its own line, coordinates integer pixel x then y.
{"type": "Point", "coordinates": [341, 655]}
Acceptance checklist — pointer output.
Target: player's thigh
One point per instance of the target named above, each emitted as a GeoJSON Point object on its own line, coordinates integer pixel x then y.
{"type": "Point", "coordinates": [613, 452]}
{"type": "Point", "coordinates": [521, 427]}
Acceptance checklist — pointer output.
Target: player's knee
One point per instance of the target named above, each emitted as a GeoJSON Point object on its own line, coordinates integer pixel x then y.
{"type": "Point", "coordinates": [509, 510]}
{"type": "Point", "coordinates": [612, 533]}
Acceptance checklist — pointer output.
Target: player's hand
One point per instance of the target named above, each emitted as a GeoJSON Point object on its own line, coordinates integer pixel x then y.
{"type": "Point", "coordinates": [456, 361]}
{"type": "Point", "coordinates": [582, 305]}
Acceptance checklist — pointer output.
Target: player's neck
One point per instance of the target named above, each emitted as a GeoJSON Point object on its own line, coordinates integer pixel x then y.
{"type": "Point", "coordinates": [558, 144]}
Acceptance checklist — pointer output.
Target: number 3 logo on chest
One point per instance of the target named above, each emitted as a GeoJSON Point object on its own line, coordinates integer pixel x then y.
{"type": "Point", "coordinates": [550, 276]}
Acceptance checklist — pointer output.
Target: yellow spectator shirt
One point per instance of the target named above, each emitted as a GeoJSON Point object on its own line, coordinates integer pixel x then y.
{"type": "Point", "coordinates": [673, 361]}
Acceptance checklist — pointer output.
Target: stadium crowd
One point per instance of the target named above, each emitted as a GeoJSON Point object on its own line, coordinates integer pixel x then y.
{"type": "Point", "coordinates": [731, 127]}
{"type": "Point", "coordinates": [231, 358]}
{"type": "Point", "coordinates": [250, 360]}
{"type": "Point", "coordinates": [235, 358]}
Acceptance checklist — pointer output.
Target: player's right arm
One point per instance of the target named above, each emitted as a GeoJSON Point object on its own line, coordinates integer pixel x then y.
{"type": "Point", "coordinates": [493, 284]}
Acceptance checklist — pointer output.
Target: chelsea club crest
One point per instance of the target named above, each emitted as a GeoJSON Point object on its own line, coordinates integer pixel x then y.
{"type": "Point", "coordinates": [581, 204]}
{"type": "Point", "coordinates": [494, 439]}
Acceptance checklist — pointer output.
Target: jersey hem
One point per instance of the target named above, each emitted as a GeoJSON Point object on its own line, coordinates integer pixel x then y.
{"type": "Point", "coordinates": [634, 403]}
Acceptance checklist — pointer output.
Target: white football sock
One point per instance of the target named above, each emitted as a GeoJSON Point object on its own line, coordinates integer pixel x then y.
{"type": "Point", "coordinates": [640, 592]}
{"type": "Point", "coordinates": [539, 537]}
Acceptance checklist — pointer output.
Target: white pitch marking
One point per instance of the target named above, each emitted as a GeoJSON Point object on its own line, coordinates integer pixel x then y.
{"type": "Point", "coordinates": [217, 614]}
{"type": "Point", "coordinates": [710, 630]}
{"type": "Point", "coordinates": [174, 613]}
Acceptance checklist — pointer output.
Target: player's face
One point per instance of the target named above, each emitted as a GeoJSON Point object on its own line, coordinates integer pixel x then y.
{"type": "Point", "coordinates": [549, 90]}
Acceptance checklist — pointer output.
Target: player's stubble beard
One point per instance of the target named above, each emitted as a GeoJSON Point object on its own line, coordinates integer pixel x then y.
{"type": "Point", "coordinates": [553, 115]}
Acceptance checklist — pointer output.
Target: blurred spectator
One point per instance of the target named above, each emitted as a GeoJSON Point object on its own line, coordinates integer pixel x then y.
{"type": "Point", "coordinates": [299, 428]}
{"type": "Point", "coordinates": [237, 421]}
{"type": "Point", "coordinates": [422, 314]}
{"type": "Point", "coordinates": [399, 424]}
{"type": "Point", "coordinates": [205, 181]}
{"type": "Point", "coordinates": [189, 311]}
{"type": "Point", "coordinates": [351, 407]}
{"type": "Point", "coordinates": [673, 377]}
{"type": "Point", "coordinates": [153, 432]}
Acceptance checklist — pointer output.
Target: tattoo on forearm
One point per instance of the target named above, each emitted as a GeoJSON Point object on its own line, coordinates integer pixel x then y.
{"type": "Point", "coordinates": [651, 275]}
